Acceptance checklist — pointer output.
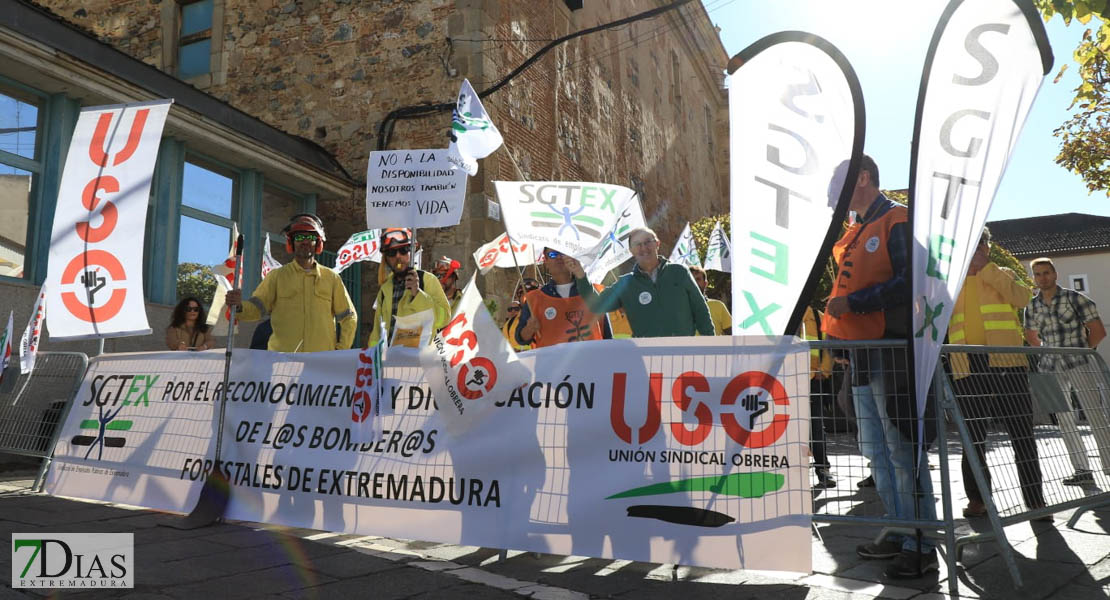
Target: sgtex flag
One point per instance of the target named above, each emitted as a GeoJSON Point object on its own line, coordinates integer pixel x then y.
{"type": "Point", "coordinates": [793, 117]}
{"type": "Point", "coordinates": [224, 272]}
{"type": "Point", "coordinates": [29, 343]}
{"type": "Point", "coordinates": [685, 250]}
{"type": "Point", "coordinates": [718, 257]}
{"type": "Point", "coordinates": [987, 60]}
{"type": "Point", "coordinates": [469, 364]}
{"type": "Point", "coordinates": [95, 281]}
{"type": "Point", "coordinates": [614, 250]}
{"type": "Point", "coordinates": [473, 134]}
{"type": "Point", "coordinates": [573, 217]}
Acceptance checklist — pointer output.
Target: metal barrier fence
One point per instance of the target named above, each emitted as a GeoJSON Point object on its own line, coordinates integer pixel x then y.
{"type": "Point", "coordinates": [1031, 416]}
{"type": "Point", "coordinates": [33, 407]}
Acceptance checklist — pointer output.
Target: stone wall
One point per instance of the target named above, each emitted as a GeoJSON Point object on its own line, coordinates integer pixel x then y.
{"type": "Point", "coordinates": [641, 105]}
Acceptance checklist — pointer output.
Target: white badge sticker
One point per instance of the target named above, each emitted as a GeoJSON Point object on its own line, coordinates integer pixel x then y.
{"type": "Point", "coordinates": [872, 243]}
{"type": "Point", "coordinates": [645, 297]}
{"type": "Point", "coordinates": [549, 312]}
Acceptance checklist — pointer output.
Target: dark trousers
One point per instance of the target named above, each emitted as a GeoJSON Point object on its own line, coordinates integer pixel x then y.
{"type": "Point", "coordinates": [820, 393]}
{"type": "Point", "coordinates": [1000, 393]}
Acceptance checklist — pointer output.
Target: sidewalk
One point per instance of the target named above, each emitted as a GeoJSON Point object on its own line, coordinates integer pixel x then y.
{"type": "Point", "coordinates": [249, 560]}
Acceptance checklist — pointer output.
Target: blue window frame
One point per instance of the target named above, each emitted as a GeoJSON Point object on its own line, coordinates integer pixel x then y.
{"type": "Point", "coordinates": [195, 39]}
{"type": "Point", "coordinates": [20, 170]}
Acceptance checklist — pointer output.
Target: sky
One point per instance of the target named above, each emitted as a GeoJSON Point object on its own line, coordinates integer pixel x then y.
{"type": "Point", "coordinates": [886, 42]}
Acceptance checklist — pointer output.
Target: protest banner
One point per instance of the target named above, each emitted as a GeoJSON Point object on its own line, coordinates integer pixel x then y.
{"type": "Point", "coordinates": [985, 65]}
{"type": "Point", "coordinates": [572, 217]}
{"type": "Point", "coordinates": [685, 251]}
{"type": "Point", "coordinates": [615, 250]}
{"type": "Point", "coordinates": [690, 450]}
{"type": "Point", "coordinates": [498, 254]}
{"type": "Point", "coordinates": [95, 277]}
{"type": "Point", "coordinates": [413, 188]}
{"type": "Point", "coordinates": [469, 363]}
{"type": "Point", "coordinates": [718, 256]}
{"type": "Point", "coordinates": [29, 343]}
{"type": "Point", "coordinates": [360, 247]}
{"type": "Point", "coordinates": [795, 113]}
{"type": "Point", "coordinates": [473, 134]}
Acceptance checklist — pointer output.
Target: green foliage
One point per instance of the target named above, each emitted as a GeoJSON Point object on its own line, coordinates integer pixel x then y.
{"type": "Point", "coordinates": [197, 280]}
{"type": "Point", "coordinates": [1085, 136]}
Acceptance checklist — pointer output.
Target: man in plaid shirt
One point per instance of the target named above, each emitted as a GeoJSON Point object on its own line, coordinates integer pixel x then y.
{"type": "Point", "coordinates": [1064, 318]}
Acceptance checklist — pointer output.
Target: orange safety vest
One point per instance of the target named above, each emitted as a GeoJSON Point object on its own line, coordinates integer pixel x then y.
{"type": "Point", "coordinates": [562, 319]}
{"type": "Point", "coordinates": [862, 260]}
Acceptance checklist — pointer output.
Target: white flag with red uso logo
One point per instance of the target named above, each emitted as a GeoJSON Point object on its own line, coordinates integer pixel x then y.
{"type": "Point", "coordinates": [6, 345]}
{"type": "Point", "coordinates": [29, 343]}
{"type": "Point", "coordinates": [497, 254]}
{"type": "Point", "coordinates": [360, 247]}
{"type": "Point", "coordinates": [218, 316]}
{"type": "Point", "coordinates": [95, 281]}
{"type": "Point", "coordinates": [269, 263]}
{"type": "Point", "coordinates": [469, 364]}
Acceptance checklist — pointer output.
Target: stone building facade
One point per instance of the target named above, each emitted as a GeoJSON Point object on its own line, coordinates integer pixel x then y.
{"type": "Point", "coordinates": [640, 105]}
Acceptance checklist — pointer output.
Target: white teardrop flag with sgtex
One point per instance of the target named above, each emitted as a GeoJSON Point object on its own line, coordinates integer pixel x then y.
{"type": "Point", "coordinates": [614, 249]}
{"type": "Point", "coordinates": [6, 346]}
{"type": "Point", "coordinates": [718, 257]}
{"type": "Point", "coordinates": [685, 250]}
{"type": "Point", "coordinates": [29, 343]}
{"type": "Point", "coordinates": [469, 364]}
{"type": "Point", "coordinates": [224, 273]}
{"type": "Point", "coordinates": [268, 261]}
{"type": "Point", "coordinates": [473, 134]}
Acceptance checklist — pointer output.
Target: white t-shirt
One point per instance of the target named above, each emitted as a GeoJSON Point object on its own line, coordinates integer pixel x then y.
{"type": "Point", "coordinates": [564, 289]}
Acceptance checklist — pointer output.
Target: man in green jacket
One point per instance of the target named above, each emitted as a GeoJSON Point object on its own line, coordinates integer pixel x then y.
{"type": "Point", "coordinates": [660, 298]}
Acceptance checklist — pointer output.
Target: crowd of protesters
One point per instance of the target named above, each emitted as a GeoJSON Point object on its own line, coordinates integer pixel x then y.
{"type": "Point", "coordinates": [307, 309]}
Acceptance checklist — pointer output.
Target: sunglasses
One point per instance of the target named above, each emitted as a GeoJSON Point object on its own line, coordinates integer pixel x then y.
{"type": "Point", "coordinates": [553, 254]}
{"type": "Point", "coordinates": [304, 237]}
{"type": "Point", "coordinates": [195, 309]}
{"type": "Point", "coordinates": [514, 310]}
{"type": "Point", "coordinates": [395, 251]}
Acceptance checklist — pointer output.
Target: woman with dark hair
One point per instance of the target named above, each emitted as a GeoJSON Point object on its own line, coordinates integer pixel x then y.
{"type": "Point", "coordinates": [187, 330]}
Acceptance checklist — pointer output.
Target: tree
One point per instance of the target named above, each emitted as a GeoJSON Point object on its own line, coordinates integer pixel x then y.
{"type": "Point", "coordinates": [1085, 136]}
{"type": "Point", "coordinates": [197, 280]}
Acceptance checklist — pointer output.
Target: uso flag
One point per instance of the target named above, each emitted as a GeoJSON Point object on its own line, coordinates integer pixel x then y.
{"type": "Point", "coordinates": [95, 282]}
{"type": "Point", "coordinates": [795, 113]}
{"type": "Point", "coordinates": [985, 64]}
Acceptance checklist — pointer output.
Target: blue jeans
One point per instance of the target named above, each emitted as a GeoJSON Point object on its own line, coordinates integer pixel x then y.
{"type": "Point", "coordinates": [890, 453]}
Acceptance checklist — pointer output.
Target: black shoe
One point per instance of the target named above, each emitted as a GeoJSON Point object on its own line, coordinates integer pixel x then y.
{"type": "Point", "coordinates": [873, 551]}
{"type": "Point", "coordinates": [866, 483]}
{"type": "Point", "coordinates": [908, 562]}
{"type": "Point", "coordinates": [1081, 477]}
{"type": "Point", "coordinates": [824, 480]}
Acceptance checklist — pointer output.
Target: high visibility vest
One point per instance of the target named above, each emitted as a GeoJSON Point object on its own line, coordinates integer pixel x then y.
{"type": "Point", "coordinates": [1000, 326]}
{"type": "Point", "coordinates": [819, 362]}
{"type": "Point", "coordinates": [507, 331]}
{"type": "Point", "coordinates": [862, 261]}
{"type": "Point", "coordinates": [618, 324]}
{"type": "Point", "coordinates": [562, 319]}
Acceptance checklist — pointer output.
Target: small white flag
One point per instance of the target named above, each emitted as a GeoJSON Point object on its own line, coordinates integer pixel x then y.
{"type": "Point", "coordinates": [6, 346]}
{"type": "Point", "coordinates": [497, 254]}
{"type": "Point", "coordinates": [685, 250]}
{"type": "Point", "coordinates": [360, 247]}
{"type": "Point", "coordinates": [29, 343]}
{"type": "Point", "coordinates": [469, 364]}
{"type": "Point", "coordinates": [224, 273]}
{"type": "Point", "coordinates": [417, 259]}
{"type": "Point", "coordinates": [268, 261]}
{"type": "Point", "coordinates": [473, 134]}
{"type": "Point", "coordinates": [718, 257]}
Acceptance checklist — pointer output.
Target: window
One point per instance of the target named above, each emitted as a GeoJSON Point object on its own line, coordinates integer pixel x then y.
{"type": "Point", "coordinates": [19, 119]}
{"type": "Point", "coordinates": [1079, 283]}
{"type": "Point", "coordinates": [208, 195]}
{"type": "Point", "coordinates": [195, 39]}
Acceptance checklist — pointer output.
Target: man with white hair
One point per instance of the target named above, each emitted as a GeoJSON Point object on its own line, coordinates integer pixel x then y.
{"type": "Point", "coordinates": [660, 298]}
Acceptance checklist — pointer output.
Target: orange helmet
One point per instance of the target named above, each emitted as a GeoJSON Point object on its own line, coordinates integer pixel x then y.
{"type": "Point", "coordinates": [395, 237]}
{"type": "Point", "coordinates": [446, 267]}
{"type": "Point", "coordinates": [305, 223]}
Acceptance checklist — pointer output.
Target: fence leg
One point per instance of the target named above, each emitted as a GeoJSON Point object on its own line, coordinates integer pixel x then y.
{"type": "Point", "coordinates": [1004, 548]}
{"type": "Point", "coordinates": [950, 552]}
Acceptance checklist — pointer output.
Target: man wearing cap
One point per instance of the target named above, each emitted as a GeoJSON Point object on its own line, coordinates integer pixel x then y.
{"type": "Point", "coordinates": [447, 270]}
{"type": "Point", "coordinates": [404, 290]}
{"type": "Point", "coordinates": [304, 300]}
{"type": "Point", "coordinates": [555, 313]}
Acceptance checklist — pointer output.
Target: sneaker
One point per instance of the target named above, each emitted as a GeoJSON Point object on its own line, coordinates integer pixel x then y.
{"type": "Point", "coordinates": [866, 483]}
{"type": "Point", "coordinates": [1082, 477]}
{"type": "Point", "coordinates": [913, 565]}
{"type": "Point", "coordinates": [974, 509]}
{"type": "Point", "coordinates": [873, 551]}
{"type": "Point", "coordinates": [824, 480]}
